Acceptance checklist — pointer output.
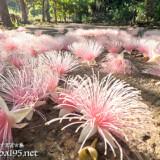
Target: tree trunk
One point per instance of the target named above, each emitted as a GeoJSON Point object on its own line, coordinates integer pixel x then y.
{"type": "Point", "coordinates": [47, 12]}
{"type": "Point", "coordinates": [5, 14]}
{"type": "Point", "coordinates": [149, 9]}
{"type": "Point", "coordinates": [69, 17]}
{"type": "Point", "coordinates": [60, 18]}
{"type": "Point", "coordinates": [80, 18]}
{"type": "Point", "coordinates": [55, 10]}
{"type": "Point", "coordinates": [24, 12]}
{"type": "Point", "coordinates": [65, 20]}
{"type": "Point", "coordinates": [43, 16]}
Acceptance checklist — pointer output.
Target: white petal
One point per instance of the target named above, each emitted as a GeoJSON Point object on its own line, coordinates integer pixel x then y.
{"type": "Point", "coordinates": [20, 114]}
{"type": "Point", "coordinates": [63, 112]}
{"type": "Point", "coordinates": [54, 95]}
{"type": "Point", "coordinates": [57, 107]}
{"type": "Point", "coordinates": [110, 139]}
{"type": "Point", "coordinates": [21, 125]}
{"type": "Point", "coordinates": [30, 115]}
{"type": "Point", "coordinates": [40, 103]}
{"type": "Point", "coordinates": [85, 131]}
{"type": "Point", "coordinates": [3, 105]}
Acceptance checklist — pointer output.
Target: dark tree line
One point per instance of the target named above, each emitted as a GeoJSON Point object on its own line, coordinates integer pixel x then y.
{"type": "Point", "coordinates": [79, 10]}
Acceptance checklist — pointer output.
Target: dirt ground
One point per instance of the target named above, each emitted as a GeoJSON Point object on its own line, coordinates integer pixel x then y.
{"type": "Point", "coordinates": [54, 144]}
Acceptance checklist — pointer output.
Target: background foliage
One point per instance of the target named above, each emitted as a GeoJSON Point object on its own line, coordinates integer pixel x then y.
{"type": "Point", "coordinates": [110, 12]}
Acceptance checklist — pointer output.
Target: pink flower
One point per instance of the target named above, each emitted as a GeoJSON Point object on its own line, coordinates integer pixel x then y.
{"type": "Point", "coordinates": [114, 44]}
{"type": "Point", "coordinates": [148, 47]}
{"type": "Point", "coordinates": [60, 62]}
{"type": "Point", "coordinates": [108, 107]}
{"type": "Point", "coordinates": [134, 31]}
{"type": "Point", "coordinates": [61, 30]}
{"type": "Point", "coordinates": [116, 64]}
{"type": "Point", "coordinates": [112, 32]}
{"type": "Point", "coordinates": [130, 43]}
{"type": "Point", "coordinates": [38, 33]}
{"type": "Point", "coordinates": [27, 44]}
{"type": "Point", "coordinates": [5, 130]}
{"type": "Point", "coordinates": [9, 45]}
{"type": "Point", "coordinates": [10, 119]}
{"type": "Point", "coordinates": [22, 42]}
{"type": "Point", "coordinates": [48, 43]}
{"type": "Point", "coordinates": [23, 87]}
{"type": "Point", "coordinates": [87, 50]}
{"type": "Point", "coordinates": [130, 29]}
{"type": "Point", "coordinates": [142, 47]}
{"type": "Point", "coordinates": [68, 40]}
{"type": "Point", "coordinates": [124, 34]}
{"type": "Point", "coordinates": [150, 33]}
{"type": "Point", "coordinates": [50, 78]}
{"type": "Point", "coordinates": [31, 51]}
{"type": "Point", "coordinates": [21, 29]}
{"type": "Point", "coordinates": [65, 106]}
{"type": "Point", "coordinates": [52, 83]}
{"type": "Point", "coordinates": [2, 67]}
{"type": "Point", "coordinates": [78, 32]}
{"type": "Point", "coordinates": [2, 35]}
{"type": "Point", "coordinates": [17, 60]}
{"type": "Point", "coordinates": [102, 40]}
{"type": "Point", "coordinates": [92, 32]}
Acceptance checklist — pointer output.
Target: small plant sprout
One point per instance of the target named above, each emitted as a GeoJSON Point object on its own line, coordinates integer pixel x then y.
{"type": "Point", "coordinates": [10, 119]}
{"type": "Point", "coordinates": [116, 64]}
{"type": "Point", "coordinates": [60, 62]}
{"type": "Point", "coordinates": [109, 107]}
{"type": "Point", "coordinates": [87, 50]}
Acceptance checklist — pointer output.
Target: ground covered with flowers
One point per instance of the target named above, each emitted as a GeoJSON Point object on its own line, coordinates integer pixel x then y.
{"type": "Point", "coordinates": [52, 143]}
{"type": "Point", "coordinates": [58, 82]}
